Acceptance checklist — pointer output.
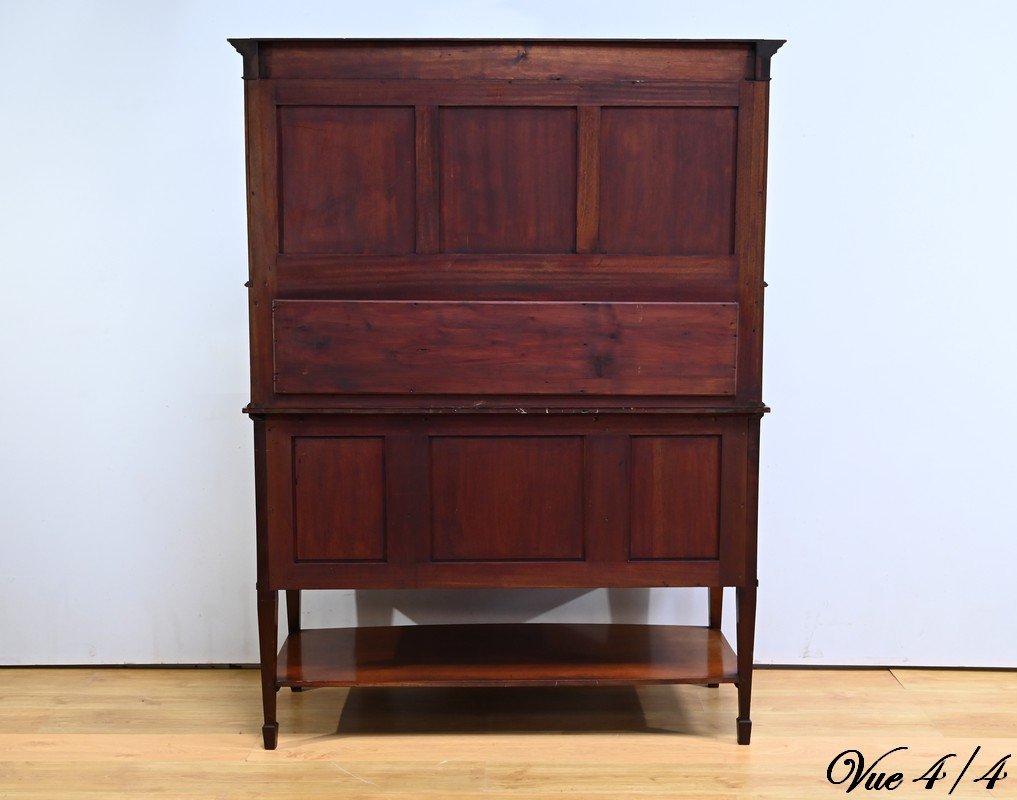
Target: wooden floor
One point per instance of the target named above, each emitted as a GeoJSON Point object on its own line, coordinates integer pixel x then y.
{"type": "Point", "coordinates": [195, 733]}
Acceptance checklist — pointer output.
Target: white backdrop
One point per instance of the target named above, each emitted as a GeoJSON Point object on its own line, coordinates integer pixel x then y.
{"type": "Point", "coordinates": [887, 524]}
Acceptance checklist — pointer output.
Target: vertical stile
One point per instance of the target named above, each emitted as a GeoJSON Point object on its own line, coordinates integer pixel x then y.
{"type": "Point", "coordinates": [588, 190]}
{"type": "Point", "coordinates": [427, 180]}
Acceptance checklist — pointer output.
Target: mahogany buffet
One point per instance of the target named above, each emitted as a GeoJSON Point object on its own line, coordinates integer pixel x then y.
{"type": "Point", "coordinates": [506, 303]}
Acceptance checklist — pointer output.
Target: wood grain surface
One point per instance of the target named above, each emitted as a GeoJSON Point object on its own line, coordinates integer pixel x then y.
{"type": "Point", "coordinates": [435, 347]}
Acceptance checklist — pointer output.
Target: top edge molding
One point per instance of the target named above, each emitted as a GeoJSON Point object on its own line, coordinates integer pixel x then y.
{"type": "Point", "coordinates": [251, 48]}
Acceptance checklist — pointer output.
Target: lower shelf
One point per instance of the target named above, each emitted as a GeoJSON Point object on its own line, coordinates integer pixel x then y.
{"type": "Point", "coordinates": [530, 654]}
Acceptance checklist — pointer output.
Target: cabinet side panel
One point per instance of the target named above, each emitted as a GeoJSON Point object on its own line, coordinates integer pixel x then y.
{"type": "Point", "coordinates": [676, 491]}
{"type": "Point", "coordinates": [263, 229]}
{"type": "Point", "coordinates": [339, 499]}
{"type": "Point", "coordinates": [347, 176]}
{"type": "Point", "coordinates": [750, 230]}
{"type": "Point", "coordinates": [496, 498]}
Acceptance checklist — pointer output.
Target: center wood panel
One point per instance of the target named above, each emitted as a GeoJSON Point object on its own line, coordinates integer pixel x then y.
{"type": "Point", "coordinates": [424, 347]}
{"type": "Point", "coordinates": [508, 179]}
{"type": "Point", "coordinates": [498, 498]}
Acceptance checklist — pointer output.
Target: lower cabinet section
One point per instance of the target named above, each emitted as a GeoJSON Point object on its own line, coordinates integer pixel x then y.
{"type": "Point", "coordinates": [507, 500]}
{"type": "Point", "coordinates": [418, 500]}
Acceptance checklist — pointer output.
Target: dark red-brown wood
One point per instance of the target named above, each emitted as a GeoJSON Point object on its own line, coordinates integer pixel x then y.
{"type": "Point", "coordinates": [347, 180]}
{"type": "Point", "coordinates": [508, 180]}
{"type": "Point", "coordinates": [506, 498]}
{"type": "Point", "coordinates": [494, 58]}
{"type": "Point", "coordinates": [510, 277]}
{"type": "Point", "coordinates": [339, 498]}
{"type": "Point", "coordinates": [506, 303]}
{"type": "Point", "coordinates": [676, 493]}
{"type": "Point", "coordinates": [501, 92]}
{"type": "Point", "coordinates": [667, 180]}
{"type": "Point", "coordinates": [433, 347]}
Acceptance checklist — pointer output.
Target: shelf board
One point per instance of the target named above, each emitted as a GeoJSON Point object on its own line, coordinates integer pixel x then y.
{"type": "Point", "coordinates": [527, 654]}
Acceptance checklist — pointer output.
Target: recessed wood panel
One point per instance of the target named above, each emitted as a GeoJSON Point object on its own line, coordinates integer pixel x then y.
{"type": "Point", "coordinates": [508, 179]}
{"type": "Point", "coordinates": [363, 347]}
{"type": "Point", "coordinates": [667, 180]}
{"type": "Point", "coordinates": [339, 494]}
{"type": "Point", "coordinates": [347, 176]}
{"type": "Point", "coordinates": [499, 498]}
{"type": "Point", "coordinates": [675, 508]}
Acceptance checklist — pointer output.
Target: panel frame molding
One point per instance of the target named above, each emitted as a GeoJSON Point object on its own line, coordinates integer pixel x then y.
{"type": "Point", "coordinates": [606, 497]}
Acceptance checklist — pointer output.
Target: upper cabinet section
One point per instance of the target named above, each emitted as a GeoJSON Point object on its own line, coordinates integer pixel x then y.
{"type": "Point", "coordinates": [402, 147]}
{"type": "Point", "coordinates": [498, 219]}
{"type": "Point", "coordinates": [389, 148]}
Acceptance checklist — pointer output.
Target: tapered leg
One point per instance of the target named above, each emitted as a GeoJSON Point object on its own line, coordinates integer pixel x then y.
{"type": "Point", "coordinates": [746, 601]}
{"type": "Point", "coordinates": [716, 610]}
{"type": "Point", "coordinates": [293, 619]}
{"type": "Point", "coordinates": [268, 622]}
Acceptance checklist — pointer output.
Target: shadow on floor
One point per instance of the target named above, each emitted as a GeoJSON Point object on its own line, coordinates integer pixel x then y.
{"type": "Point", "coordinates": [606, 709]}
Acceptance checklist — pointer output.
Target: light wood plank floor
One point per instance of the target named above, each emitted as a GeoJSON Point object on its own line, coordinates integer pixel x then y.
{"type": "Point", "coordinates": [195, 733]}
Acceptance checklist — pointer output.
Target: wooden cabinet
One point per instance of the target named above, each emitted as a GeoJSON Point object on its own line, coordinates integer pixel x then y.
{"type": "Point", "coordinates": [506, 327]}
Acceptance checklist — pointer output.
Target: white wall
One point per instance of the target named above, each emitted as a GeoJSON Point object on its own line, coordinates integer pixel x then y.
{"type": "Point", "coordinates": [126, 507]}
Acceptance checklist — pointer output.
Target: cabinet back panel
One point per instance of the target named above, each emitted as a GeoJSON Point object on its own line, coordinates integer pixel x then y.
{"type": "Point", "coordinates": [366, 347]}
